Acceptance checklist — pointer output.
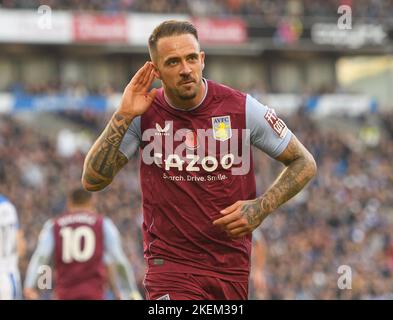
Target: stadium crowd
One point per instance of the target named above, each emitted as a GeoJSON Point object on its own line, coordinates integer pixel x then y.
{"type": "Point", "coordinates": [344, 217]}
{"type": "Point", "coordinates": [269, 10]}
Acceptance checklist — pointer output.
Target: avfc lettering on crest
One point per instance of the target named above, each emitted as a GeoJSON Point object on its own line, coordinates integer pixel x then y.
{"type": "Point", "coordinates": [222, 129]}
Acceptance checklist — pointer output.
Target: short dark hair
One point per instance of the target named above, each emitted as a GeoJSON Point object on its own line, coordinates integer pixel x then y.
{"type": "Point", "coordinates": [170, 28]}
{"type": "Point", "coordinates": [80, 196]}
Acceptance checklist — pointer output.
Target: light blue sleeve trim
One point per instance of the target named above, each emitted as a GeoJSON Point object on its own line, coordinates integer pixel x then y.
{"type": "Point", "coordinates": [42, 254]}
{"type": "Point", "coordinates": [112, 239]}
{"type": "Point", "coordinates": [132, 139]}
{"type": "Point", "coordinates": [114, 254]}
{"type": "Point", "coordinates": [262, 134]}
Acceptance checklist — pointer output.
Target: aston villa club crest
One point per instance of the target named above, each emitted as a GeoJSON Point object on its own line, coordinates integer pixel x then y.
{"type": "Point", "coordinates": [222, 130]}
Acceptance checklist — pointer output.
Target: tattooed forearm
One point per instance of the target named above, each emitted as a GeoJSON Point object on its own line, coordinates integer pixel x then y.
{"type": "Point", "coordinates": [289, 183]}
{"type": "Point", "coordinates": [300, 169]}
{"type": "Point", "coordinates": [104, 159]}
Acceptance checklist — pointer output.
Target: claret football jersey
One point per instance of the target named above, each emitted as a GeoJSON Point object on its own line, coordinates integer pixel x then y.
{"type": "Point", "coordinates": [193, 164]}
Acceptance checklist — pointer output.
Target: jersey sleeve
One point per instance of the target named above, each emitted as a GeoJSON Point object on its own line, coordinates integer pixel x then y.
{"type": "Point", "coordinates": [132, 138]}
{"type": "Point", "coordinates": [257, 235]}
{"type": "Point", "coordinates": [8, 213]}
{"type": "Point", "coordinates": [267, 131]}
{"type": "Point", "coordinates": [14, 214]}
{"type": "Point", "coordinates": [42, 254]}
{"type": "Point", "coordinates": [114, 254]}
{"type": "Point", "coordinates": [112, 242]}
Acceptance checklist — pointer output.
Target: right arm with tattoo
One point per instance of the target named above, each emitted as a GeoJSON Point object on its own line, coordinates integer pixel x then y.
{"type": "Point", "coordinates": [104, 160]}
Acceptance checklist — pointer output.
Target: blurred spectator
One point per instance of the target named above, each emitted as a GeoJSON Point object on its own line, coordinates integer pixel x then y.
{"type": "Point", "coordinates": [270, 10]}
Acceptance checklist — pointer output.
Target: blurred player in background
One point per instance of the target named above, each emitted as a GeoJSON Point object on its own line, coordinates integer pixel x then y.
{"type": "Point", "coordinates": [12, 246]}
{"type": "Point", "coordinates": [83, 244]}
{"type": "Point", "coordinates": [198, 216]}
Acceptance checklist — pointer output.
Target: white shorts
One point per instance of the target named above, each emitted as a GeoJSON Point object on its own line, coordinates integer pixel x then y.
{"type": "Point", "coordinates": [10, 288]}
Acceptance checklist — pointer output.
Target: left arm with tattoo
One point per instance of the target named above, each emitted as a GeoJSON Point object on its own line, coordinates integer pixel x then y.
{"type": "Point", "coordinates": [243, 217]}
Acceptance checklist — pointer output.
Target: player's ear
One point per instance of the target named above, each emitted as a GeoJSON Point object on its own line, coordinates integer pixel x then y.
{"type": "Point", "coordinates": [202, 55]}
{"type": "Point", "coordinates": [156, 71]}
